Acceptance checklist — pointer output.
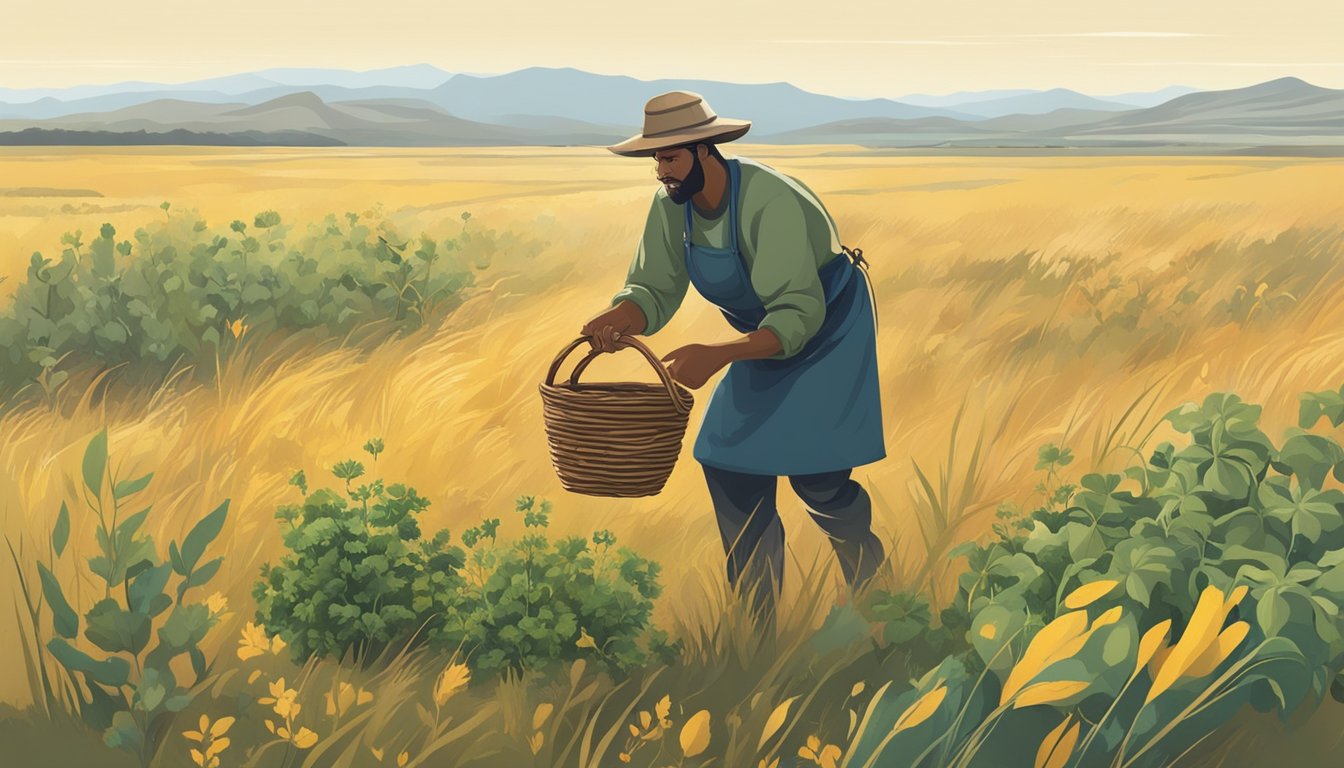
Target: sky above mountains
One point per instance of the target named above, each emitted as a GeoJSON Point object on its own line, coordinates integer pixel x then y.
{"type": "Point", "coordinates": [850, 48]}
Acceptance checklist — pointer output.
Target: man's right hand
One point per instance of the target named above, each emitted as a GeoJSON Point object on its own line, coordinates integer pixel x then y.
{"type": "Point", "coordinates": [624, 319]}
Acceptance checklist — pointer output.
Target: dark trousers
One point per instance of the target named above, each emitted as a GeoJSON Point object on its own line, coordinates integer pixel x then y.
{"type": "Point", "coordinates": [753, 537]}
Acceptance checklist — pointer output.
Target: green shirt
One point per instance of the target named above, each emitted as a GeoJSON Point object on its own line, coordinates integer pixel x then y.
{"type": "Point", "coordinates": [784, 233]}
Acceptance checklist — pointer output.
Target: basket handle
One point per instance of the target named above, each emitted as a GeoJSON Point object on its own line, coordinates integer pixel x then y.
{"type": "Point", "coordinates": [622, 342]}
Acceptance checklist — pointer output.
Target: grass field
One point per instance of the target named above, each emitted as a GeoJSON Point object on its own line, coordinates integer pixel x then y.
{"type": "Point", "coordinates": [1040, 298]}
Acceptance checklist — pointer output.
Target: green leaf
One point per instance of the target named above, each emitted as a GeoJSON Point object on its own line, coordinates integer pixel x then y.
{"type": "Point", "coordinates": [186, 626]}
{"type": "Point", "coordinates": [60, 534]}
{"type": "Point", "coordinates": [112, 672]}
{"type": "Point", "coordinates": [1310, 458]}
{"type": "Point", "coordinates": [200, 576]}
{"type": "Point", "coordinates": [147, 586]}
{"type": "Point", "coordinates": [63, 617]}
{"type": "Point", "coordinates": [116, 630]}
{"type": "Point", "coordinates": [95, 462]}
{"type": "Point", "coordinates": [175, 557]}
{"type": "Point", "coordinates": [127, 487]}
{"type": "Point", "coordinates": [202, 534]}
{"type": "Point", "coordinates": [124, 733]}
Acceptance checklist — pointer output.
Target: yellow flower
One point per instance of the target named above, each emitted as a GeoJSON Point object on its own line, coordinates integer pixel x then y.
{"type": "Point", "coordinates": [378, 753]}
{"type": "Point", "coordinates": [255, 642]}
{"type": "Point", "coordinates": [663, 708]}
{"type": "Point", "coordinates": [825, 757]}
{"type": "Point", "coordinates": [284, 700]}
{"type": "Point", "coordinates": [403, 759]}
{"type": "Point", "coordinates": [305, 738]}
{"type": "Point", "coordinates": [536, 742]}
{"type": "Point", "coordinates": [237, 328]}
{"type": "Point", "coordinates": [217, 604]}
{"type": "Point", "coordinates": [454, 678]}
{"type": "Point", "coordinates": [585, 640]}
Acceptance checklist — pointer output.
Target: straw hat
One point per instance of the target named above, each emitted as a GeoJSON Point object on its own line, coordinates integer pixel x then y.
{"type": "Point", "coordinates": [679, 117]}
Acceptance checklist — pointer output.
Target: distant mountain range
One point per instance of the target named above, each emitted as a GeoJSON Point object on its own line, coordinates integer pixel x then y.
{"type": "Point", "coordinates": [425, 106]}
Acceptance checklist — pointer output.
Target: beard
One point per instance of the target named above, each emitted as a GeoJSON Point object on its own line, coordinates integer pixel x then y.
{"type": "Point", "coordinates": [692, 184]}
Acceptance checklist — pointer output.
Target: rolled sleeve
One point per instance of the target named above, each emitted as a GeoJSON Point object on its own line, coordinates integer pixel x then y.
{"type": "Point", "coordinates": [657, 279]}
{"type": "Point", "coordinates": [784, 275]}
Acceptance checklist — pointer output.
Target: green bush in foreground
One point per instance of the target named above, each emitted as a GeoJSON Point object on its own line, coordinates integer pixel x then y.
{"type": "Point", "coordinates": [1122, 627]}
{"type": "Point", "coordinates": [360, 579]}
{"type": "Point", "coordinates": [183, 291]}
{"type": "Point", "coordinates": [133, 692]}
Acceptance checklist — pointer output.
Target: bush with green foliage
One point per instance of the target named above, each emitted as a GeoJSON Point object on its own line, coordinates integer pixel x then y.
{"type": "Point", "coordinates": [183, 291]}
{"type": "Point", "coordinates": [142, 625]}
{"type": "Point", "coordinates": [359, 578]}
{"type": "Point", "coordinates": [357, 575]}
{"type": "Point", "coordinates": [1228, 528]}
{"type": "Point", "coordinates": [536, 601]}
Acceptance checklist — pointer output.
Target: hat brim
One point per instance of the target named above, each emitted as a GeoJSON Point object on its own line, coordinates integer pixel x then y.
{"type": "Point", "coordinates": [721, 130]}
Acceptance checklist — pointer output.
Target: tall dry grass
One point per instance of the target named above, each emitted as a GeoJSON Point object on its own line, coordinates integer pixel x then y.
{"type": "Point", "coordinates": [1022, 301]}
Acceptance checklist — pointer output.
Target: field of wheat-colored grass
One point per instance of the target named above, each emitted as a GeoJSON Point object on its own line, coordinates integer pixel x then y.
{"type": "Point", "coordinates": [1039, 298]}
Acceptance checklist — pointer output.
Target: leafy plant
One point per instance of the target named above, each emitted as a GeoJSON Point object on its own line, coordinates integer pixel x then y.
{"type": "Point", "coordinates": [358, 578]}
{"type": "Point", "coordinates": [168, 295]}
{"type": "Point", "coordinates": [1142, 621]}
{"type": "Point", "coordinates": [536, 601]}
{"type": "Point", "coordinates": [142, 625]}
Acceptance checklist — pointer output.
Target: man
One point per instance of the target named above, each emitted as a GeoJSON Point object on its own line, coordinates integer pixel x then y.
{"type": "Point", "coordinates": [800, 398]}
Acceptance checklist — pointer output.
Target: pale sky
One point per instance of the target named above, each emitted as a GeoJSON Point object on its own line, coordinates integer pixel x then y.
{"type": "Point", "coordinates": [852, 48]}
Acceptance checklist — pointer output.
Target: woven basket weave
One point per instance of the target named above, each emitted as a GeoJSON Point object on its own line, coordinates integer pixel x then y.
{"type": "Point", "coordinates": [614, 439]}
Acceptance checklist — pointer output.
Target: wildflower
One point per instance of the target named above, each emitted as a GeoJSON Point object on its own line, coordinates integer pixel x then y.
{"type": "Point", "coordinates": [282, 699]}
{"type": "Point", "coordinates": [454, 678]}
{"type": "Point", "coordinates": [217, 604]}
{"type": "Point", "coordinates": [212, 740]}
{"type": "Point", "coordinates": [237, 328]}
{"type": "Point", "coordinates": [585, 640]}
{"type": "Point", "coordinates": [255, 642]}
{"type": "Point", "coordinates": [826, 757]}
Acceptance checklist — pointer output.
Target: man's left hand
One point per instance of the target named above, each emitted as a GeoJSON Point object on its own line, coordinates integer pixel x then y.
{"type": "Point", "coordinates": [693, 364]}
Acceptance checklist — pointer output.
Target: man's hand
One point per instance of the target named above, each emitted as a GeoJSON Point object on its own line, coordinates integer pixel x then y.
{"type": "Point", "coordinates": [693, 364]}
{"type": "Point", "coordinates": [621, 320]}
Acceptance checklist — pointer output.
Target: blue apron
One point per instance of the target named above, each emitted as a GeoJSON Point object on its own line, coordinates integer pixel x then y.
{"type": "Point", "coordinates": [815, 411]}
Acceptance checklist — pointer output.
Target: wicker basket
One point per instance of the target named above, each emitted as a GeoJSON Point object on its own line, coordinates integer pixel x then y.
{"type": "Point", "coordinates": [614, 439]}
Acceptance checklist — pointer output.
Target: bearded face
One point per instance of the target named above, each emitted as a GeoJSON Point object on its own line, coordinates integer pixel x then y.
{"type": "Point", "coordinates": [683, 187]}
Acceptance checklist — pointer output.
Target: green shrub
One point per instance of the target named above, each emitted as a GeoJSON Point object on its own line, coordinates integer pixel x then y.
{"type": "Point", "coordinates": [133, 694]}
{"type": "Point", "coordinates": [185, 292]}
{"type": "Point", "coordinates": [535, 601]}
{"type": "Point", "coordinates": [1230, 528]}
{"type": "Point", "coordinates": [359, 579]}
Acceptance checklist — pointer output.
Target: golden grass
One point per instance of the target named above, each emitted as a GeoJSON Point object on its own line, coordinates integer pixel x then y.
{"type": "Point", "coordinates": [964, 324]}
